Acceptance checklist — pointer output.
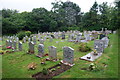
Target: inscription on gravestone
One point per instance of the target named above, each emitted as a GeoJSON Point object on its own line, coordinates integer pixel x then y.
{"type": "Point", "coordinates": [68, 55]}
{"type": "Point", "coordinates": [99, 45]}
{"type": "Point", "coordinates": [40, 50]}
{"type": "Point", "coordinates": [52, 52]}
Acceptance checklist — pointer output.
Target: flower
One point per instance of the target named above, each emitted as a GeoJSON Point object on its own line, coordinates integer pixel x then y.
{"type": "Point", "coordinates": [9, 47]}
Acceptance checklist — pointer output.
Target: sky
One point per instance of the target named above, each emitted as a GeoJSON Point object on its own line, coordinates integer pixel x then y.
{"type": "Point", "coordinates": [28, 5]}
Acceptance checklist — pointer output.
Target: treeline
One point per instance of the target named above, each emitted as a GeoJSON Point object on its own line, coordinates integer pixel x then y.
{"type": "Point", "coordinates": [63, 16]}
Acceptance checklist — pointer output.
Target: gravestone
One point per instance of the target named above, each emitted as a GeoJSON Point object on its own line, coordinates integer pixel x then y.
{"type": "Point", "coordinates": [50, 39]}
{"type": "Point", "coordinates": [10, 43]}
{"type": "Point", "coordinates": [17, 39]}
{"type": "Point", "coordinates": [106, 40]}
{"type": "Point", "coordinates": [40, 50]}
{"type": "Point", "coordinates": [52, 52]}
{"type": "Point", "coordinates": [78, 37]}
{"type": "Point", "coordinates": [29, 40]}
{"type": "Point", "coordinates": [63, 35]}
{"type": "Point", "coordinates": [99, 45]}
{"type": "Point", "coordinates": [31, 47]}
{"type": "Point", "coordinates": [68, 55]}
{"type": "Point", "coordinates": [7, 43]}
{"type": "Point", "coordinates": [20, 46]}
{"type": "Point", "coordinates": [34, 39]}
{"type": "Point", "coordinates": [41, 41]}
{"type": "Point", "coordinates": [14, 45]}
{"type": "Point", "coordinates": [24, 39]}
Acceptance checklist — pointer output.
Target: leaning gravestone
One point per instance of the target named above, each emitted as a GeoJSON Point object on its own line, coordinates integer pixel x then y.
{"type": "Point", "coordinates": [40, 50]}
{"type": "Point", "coordinates": [20, 46]}
{"type": "Point", "coordinates": [106, 40]}
{"type": "Point", "coordinates": [31, 47]}
{"type": "Point", "coordinates": [52, 52]}
{"type": "Point", "coordinates": [68, 56]}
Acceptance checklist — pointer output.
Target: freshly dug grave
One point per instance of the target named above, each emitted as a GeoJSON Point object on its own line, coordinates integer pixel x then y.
{"type": "Point", "coordinates": [53, 71]}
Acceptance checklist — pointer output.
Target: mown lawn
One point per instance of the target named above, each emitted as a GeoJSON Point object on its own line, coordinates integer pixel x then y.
{"type": "Point", "coordinates": [14, 65]}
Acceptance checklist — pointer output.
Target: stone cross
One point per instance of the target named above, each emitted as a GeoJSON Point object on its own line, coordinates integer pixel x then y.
{"type": "Point", "coordinates": [52, 52]}
{"type": "Point", "coordinates": [68, 55]}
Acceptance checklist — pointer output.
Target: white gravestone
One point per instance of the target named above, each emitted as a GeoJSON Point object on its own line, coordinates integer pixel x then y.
{"type": "Point", "coordinates": [68, 55]}
{"type": "Point", "coordinates": [52, 52]}
{"type": "Point", "coordinates": [20, 46]}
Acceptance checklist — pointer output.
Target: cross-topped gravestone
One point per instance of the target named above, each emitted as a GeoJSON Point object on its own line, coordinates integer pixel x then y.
{"type": "Point", "coordinates": [99, 46]}
{"type": "Point", "coordinates": [52, 52]}
{"type": "Point", "coordinates": [68, 55]}
{"type": "Point", "coordinates": [40, 50]}
{"type": "Point", "coordinates": [31, 47]}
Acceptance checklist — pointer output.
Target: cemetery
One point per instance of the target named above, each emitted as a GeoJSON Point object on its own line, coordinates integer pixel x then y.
{"type": "Point", "coordinates": [59, 57]}
{"type": "Point", "coordinates": [61, 43]}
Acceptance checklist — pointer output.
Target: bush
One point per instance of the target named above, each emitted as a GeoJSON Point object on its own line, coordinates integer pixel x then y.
{"type": "Point", "coordinates": [20, 35]}
{"type": "Point", "coordinates": [28, 33]}
{"type": "Point", "coordinates": [84, 48]}
{"type": "Point", "coordinates": [44, 71]}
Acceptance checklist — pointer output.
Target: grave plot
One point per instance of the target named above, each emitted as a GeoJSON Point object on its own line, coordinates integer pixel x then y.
{"type": "Point", "coordinates": [51, 72]}
{"type": "Point", "coordinates": [99, 47]}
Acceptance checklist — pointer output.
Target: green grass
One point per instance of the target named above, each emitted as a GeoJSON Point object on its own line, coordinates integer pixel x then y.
{"type": "Point", "coordinates": [14, 65]}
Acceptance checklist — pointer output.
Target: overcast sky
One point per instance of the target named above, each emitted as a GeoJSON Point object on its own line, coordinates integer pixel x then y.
{"type": "Point", "coordinates": [28, 5]}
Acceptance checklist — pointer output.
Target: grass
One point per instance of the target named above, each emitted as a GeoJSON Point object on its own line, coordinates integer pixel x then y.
{"type": "Point", "coordinates": [14, 65]}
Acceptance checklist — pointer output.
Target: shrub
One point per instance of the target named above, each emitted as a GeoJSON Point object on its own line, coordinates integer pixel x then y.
{"type": "Point", "coordinates": [20, 35]}
{"type": "Point", "coordinates": [28, 33]}
{"type": "Point", "coordinates": [84, 48]}
{"type": "Point", "coordinates": [44, 71]}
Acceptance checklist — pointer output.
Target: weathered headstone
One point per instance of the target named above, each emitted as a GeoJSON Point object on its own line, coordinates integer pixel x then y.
{"type": "Point", "coordinates": [68, 55]}
{"type": "Point", "coordinates": [106, 40]}
{"type": "Point", "coordinates": [40, 50]}
{"type": "Point", "coordinates": [31, 47]}
{"type": "Point", "coordinates": [34, 39]}
{"type": "Point", "coordinates": [63, 35]}
{"type": "Point", "coordinates": [52, 52]}
{"type": "Point", "coordinates": [10, 43]}
{"type": "Point", "coordinates": [99, 45]}
{"type": "Point", "coordinates": [20, 46]}
{"type": "Point", "coordinates": [14, 44]}
{"type": "Point", "coordinates": [7, 43]}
